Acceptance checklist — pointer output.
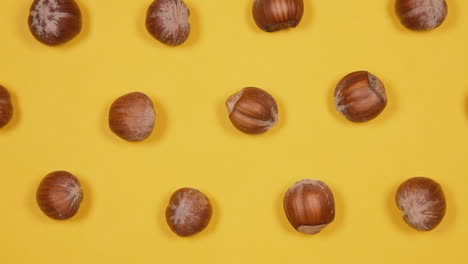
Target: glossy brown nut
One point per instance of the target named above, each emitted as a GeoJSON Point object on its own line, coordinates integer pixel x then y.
{"type": "Point", "coordinates": [421, 14]}
{"type": "Point", "coordinates": [422, 202]}
{"type": "Point", "coordinates": [6, 108]}
{"type": "Point", "coordinates": [309, 206]}
{"type": "Point", "coordinates": [252, 110]}
{"type": "Point", "coordinates": [168, 21]}
{"type": "Point", "coordinates": [132, 116]}
{"type": "Point", "coordinates": [54, 22]}
{"type": "Point", "coordinates": [274, 15]}
{"type": "Point", "coordinates": [188, 212]}
{"type": "Point", "coordinates": [59, 195]}
{"type": "Point", "coordinates": [360, 96]}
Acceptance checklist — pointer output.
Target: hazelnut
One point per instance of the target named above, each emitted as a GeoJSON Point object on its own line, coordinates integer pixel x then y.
{"type": "Point", "coordinates": [132, 116]}
{"type": "Point", "coordinates": [252, 110]}
{"type": "Point", "coordinates": [6, 108]}
{"type": "Point", "coordinates": [59, 195]}
{"type": "Point", "coordinates": [188, 212]}
{"type": "Point", "coordinates": [360, 96]}
{"type": "Point", "coordinates": [274, 15]}
{"type": "Point", "coordinates": [421, 14]}
{"type": "Point", "coordinates": [422, 202]}
{"type": "Point", "coordinates": [309, 206]}
{"type": "Point", "coordinates": [54, 22]}
{"type": "Point", "coordinates": [168, 21]}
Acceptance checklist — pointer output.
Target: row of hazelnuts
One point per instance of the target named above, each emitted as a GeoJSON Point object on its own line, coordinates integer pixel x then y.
{"type": "Point", "coordinates": [359, 96]}
{"type": "Point", "coordinates": [309, 205]}
{"type": "Point", "coordinates": [54, 22]}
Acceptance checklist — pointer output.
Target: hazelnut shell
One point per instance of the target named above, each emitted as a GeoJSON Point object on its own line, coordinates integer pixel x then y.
{"type": "Point", "coordinates": [252, 110]}
{"type": "Point", "coordinates": [422, 202]}
{"type": "Point", "coordinates": [59, 195]}
{"type": "Point", "coordinates": [421, 14]}
{"type": "Point", "coordinates": [188, 212]}
{"type": "Point", "coordinates": [168, 21]}
{"type": "Point", "coordinates": [274, 15]}
{"type": "Point", "coordinates": [132, 116]}
{"type": "Point", "coordinates": [309, 206]}
{"type": "Point", "coordinates": [360, 96]}
{"type": "Point", "coordinates": [6, 108]}
{"type": "Point", "coordinates": [54, 22]}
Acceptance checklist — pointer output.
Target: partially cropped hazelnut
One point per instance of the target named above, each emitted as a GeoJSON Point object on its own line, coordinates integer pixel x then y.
{"type": "Point", "coordinates": [422, 202]}
{"type": "Point", "coordinates": [188, 212]}
{"type": "Point", "coordinates": [54, 22]}
{"type": "Point", "coordinates": [6, 108]}
{"type": "Point", "coordinates": [360, 96]}
{"type": "Point", "coordinates": [274, 15]}
{"type": "Point", "coordinates": [168, 21]}
{"type": "Point", "coordinates": [309, 206]}
{"type": "Point", "coordinates": [132, 116]}
{"type": "Point", "coordinates": [421, 14]}
{"type": "Point", "coordinates": [59, 195]}
{"type": "Point", "coordinates": [252, 110]}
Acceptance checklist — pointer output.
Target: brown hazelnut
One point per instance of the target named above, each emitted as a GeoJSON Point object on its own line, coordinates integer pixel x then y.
{"type": "Point", "coordinates": [59, 195]}
{"type": "Point", "coordinates": [168, 21]}
{"type": "Point", "coordinates": [132, 116]}
{"type": "Point", "coordinates": [421, 14]}
{"type": "Point", "coordinates": [274, 15]}
{"type": "Point", "coordinates": [252, 110]}
{"type": "Point", "coordinates": [188, 212]}
{"type": "Point", "coordinates": [360, 96]}
{"type": "Point", "coordinates": [309, 206]}
{"type": "Point", "coordinates": [54, 22]}
{"type": "Point", "coordinates": [6, 108]}
{"type": "Point", "coordinates": [422, 202]}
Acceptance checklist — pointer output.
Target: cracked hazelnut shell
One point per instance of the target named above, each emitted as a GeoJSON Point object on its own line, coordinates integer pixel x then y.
{"type": "Point", "coordinates": [188, 212]}
{"type": "Point", "coordinates": [54, 22]}
{"type": "Point", "coordinates": [132, 116]}
{"type": "Point", "coordinates": [59, 195]}
{"type": "Point", "coordinates": [252, 110]}
{"type": "Point", "coordinates": [422, 203]}
{"type": "Point", "coordinates": [309, 206]}
{"type": "Point", "coordinates": [274, 15]}
{"type": "Point", "coordinates": [421, 14]}
{"type": "Point", "coordinates": [360, 96]}
{"type": "Point", "coordinates": [168, 21]}
{"type": "Point", "coordinates": [6, 108]}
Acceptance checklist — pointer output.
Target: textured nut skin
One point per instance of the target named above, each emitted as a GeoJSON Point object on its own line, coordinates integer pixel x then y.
{"type": "Point", "coordinates": [309, 206]}
{"type": "Point", "coordinates": [132, 116]}
{"type": "Point", "coordinates": [54, 22]}
{"type": "Point", "coordinates": [6, 108]}
{"type": "Point", "coordinates": [360, 96]}
{"type": "Point", "coordinates": [168, 21]}
{"type": "Point", "coordinates": [59, 195]}
{"type": "Point", "coordinates": [188, 212]}
{"type": "Point", "coordinates": [252, 110]}
{"type": "Point", "coordinates": [421, 14]}
{"type": "Point", "coordinates": [422, 202]}
{"type": "Point", "coordinates": [274, 15]}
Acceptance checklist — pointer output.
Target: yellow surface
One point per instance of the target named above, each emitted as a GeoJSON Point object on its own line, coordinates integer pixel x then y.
{"type": "Point", "coordinates": [61, 98]}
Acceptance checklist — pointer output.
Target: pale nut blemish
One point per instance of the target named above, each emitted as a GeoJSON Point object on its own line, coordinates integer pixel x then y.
{"type": "Point", "coordinates": [188, 212]}
{"type": "Point", "coordinates": [421, 14]}
{"type": "Point", "coordinates": [168, 21]}
{"type": "Point", "coordinates": [59, 195]}
{"type": "Point", "coordinates": [54, 22]}
{"type": "Point", "coordinates": [422, 203]}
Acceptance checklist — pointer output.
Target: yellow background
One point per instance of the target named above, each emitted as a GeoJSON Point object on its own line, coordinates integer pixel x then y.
{"type": "Point", "coordinates": [61, 97]}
